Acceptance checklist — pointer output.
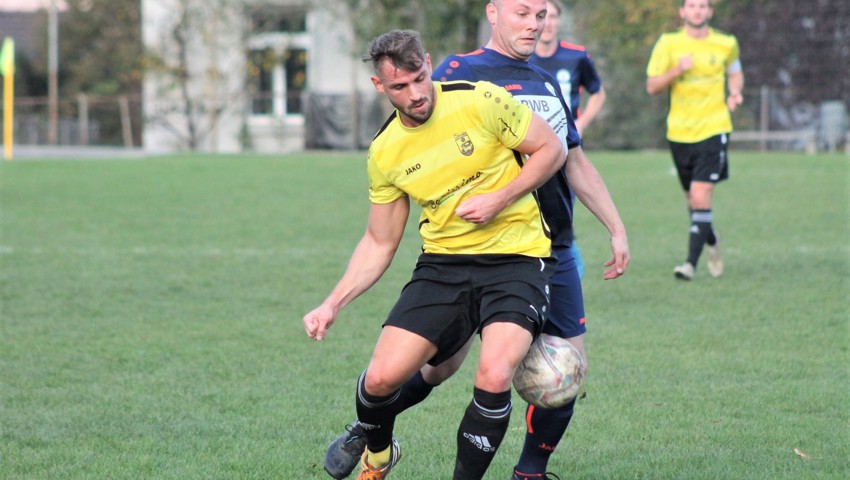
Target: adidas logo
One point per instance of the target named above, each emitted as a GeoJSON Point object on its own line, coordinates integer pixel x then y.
{"type": "Point", "coordinates": [483, 443]}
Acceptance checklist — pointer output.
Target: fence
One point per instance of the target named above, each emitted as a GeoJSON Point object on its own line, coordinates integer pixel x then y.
{"type": "Point", "coordinates": [86, 120]}
{"type": "Point", "coordinates": [770, 119]}
{"type": "Point", "coordinates": [773, 118]}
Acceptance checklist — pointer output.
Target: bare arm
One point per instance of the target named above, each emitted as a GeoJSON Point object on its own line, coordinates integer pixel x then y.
{"type": "Point", "coordinates": [661, 82]}
{"type": "Point", "coordinates": [370, 260]}
{"type": "Point", "coordinates": [546, 156]}
{"type": "Point", "coordinates": [594, 105]}
{"type": "Point", "coordinates": [735, 81]}
{"type": "Point", "coordinates": [591, 190]}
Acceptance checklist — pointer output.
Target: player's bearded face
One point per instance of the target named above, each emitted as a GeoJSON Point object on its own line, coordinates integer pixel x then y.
{"type": "Point", "coordinates": [412, 93]}
{"type": "Point", "coordinates": [420, 107]}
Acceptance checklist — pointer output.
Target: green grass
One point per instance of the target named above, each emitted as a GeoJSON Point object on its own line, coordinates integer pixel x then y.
{"type": "Point", "coordinates": [150, 324]}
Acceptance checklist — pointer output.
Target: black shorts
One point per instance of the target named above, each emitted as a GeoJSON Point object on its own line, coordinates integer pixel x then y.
{"type": "Point", "coordinates": [450, 297]}
{"type": "Point", "coordinates": [704, 161]}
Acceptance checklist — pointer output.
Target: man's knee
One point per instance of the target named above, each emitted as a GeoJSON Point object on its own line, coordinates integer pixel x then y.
{"type": "Point", "coordinates": [503, 346]}
{"type": "Point", "coordinates": [494, 376]}
{"type": "Point", "coordinates": [379, 382]}
{"type": "Point", "coordinates": [699, 196]}
{"type": "Point", "coordinates": [495, 372]}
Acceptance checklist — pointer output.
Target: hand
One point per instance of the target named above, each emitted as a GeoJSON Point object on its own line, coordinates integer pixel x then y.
{"type": "Point", "coordinates": [317, 322]}
{"type": "Point", "coordinates": [580, 125]}
{"type": "Point", "coordinates": [620, 261]}
{"type": "Point", "coordinates": [480, 209]}
{"type": "Point", "coordinates": [685, 63]}
{"type": "Point", "coordinates": [733, 100]}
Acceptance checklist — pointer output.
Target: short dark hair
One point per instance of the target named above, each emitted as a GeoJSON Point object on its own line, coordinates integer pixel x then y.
{"type": "Point", "coordinates": [400, 47]}
{"type": "Point", "coordinates": [559, 6]}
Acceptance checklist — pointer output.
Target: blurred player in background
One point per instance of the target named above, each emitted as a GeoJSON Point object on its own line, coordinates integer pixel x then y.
{"type": "Point", "coordinates": [571, 66]}
{"type": "Point", "coordinates": [697, 64]}
{"type": "Point", "coordinates": [575, 72]}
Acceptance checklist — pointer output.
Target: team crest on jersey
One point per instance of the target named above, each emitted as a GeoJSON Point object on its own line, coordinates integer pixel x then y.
{"type": "Point", "coordinates": [464, 144]}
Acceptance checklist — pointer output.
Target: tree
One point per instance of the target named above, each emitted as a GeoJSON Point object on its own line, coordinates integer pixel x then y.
{"type": "Point", "coordinates": [788, 44]}
{"type": "Point", "coordinates": [620, 35]}
{"type": "Point", "coordinates": [100, 47]}
{"type": "Point", "coordinates": [799, 50]}
{"type": "Point", "coordinates": [447, 26]}
{"type": "Point", "coordinates": [100, 54]}
{"type": "Point", "coordinates": [191, 91]}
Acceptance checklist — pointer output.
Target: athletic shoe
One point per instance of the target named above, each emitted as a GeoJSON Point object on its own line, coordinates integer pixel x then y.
{"type": "Point", "coordinates": [343, 454]}
{"type": "Point", "coordinates": [684, 271]}
{"type": "Point", "coordinates": [534, 476]}
{"type": "Point", "coordinates": [715, 260]}
{"type": "Point", "coordinates": [368, 472]}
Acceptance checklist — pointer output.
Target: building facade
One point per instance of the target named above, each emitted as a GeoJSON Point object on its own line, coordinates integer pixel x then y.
{"type": "Point", "coordinates": [254, 75]}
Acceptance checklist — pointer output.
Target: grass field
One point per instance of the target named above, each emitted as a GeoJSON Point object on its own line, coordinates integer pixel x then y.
{"type": "Point", "coordinates": [150, 324]}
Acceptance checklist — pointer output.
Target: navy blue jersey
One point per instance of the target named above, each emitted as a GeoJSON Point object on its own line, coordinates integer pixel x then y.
{"type": "Point", "coordinates": [536, 88]}
{"type": "Point", "coordinates": [573, 69]}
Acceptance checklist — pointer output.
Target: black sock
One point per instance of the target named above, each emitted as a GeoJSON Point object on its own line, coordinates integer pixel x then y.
{"type": "Point", "coordinates": [377, 415]}
{"type": "Point", "coordinates": [414, 391]}
{"type": "Point", "coordinates": [701, 233]}
{"type": "Point", "coordinates": [481, 432]}
{"type": "Point", "coordinates": [544, 429]}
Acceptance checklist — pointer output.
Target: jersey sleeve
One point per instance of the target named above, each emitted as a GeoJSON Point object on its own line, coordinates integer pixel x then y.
{"type": "Point", "coordinates": [659, 59]}
{"type": "Point", "coordinates": [572, 139]}
{"type": "Point", "coordinates": [381, 190]}
{"type": "Point", "coordinates": [503, 115]}
{"type": "Point", "coordinates": [454, 67]}
{"type": "Point", "coordinates": [734, 52]}
{"type": "Point", "coordinates": [590, 79]}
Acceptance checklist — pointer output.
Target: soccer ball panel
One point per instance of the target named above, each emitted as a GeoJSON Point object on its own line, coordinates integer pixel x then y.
{"type": "Point", "coordinates": [551, 373]}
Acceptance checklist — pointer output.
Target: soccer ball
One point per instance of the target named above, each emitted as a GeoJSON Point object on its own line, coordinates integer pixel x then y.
{"type": "Point", "coordinates": [551, 373]}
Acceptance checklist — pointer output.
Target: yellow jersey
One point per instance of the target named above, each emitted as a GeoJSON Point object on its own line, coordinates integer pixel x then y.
{"type": "Point", "coordinates": [464, 149]}
{"type": "Point", "coordinates": [697, 98]}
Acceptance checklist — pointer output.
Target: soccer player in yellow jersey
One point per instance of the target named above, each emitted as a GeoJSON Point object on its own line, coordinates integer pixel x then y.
{"type": "Point", "coordinates": [698, 64]}
{"type": "Point", "coordinates": [471, 156]}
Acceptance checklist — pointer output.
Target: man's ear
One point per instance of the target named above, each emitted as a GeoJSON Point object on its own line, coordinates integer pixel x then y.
{"type": "Point", "coordinates": [490, 10]}
{"type": "Point", "coordinates": [378, 85]}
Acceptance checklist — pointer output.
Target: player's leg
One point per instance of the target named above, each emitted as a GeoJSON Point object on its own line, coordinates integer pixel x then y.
{"type": "Point", "coordinates": [343, 454]}
{"type": "Point", "coordinates": [701, 231]}
{"type": "Point", "coordinates": [397, 356]}
{"type": "Point", "coordinates": [710, 167]}
{"type": "Point", "coordinates": [545, 427]}
{"type": "Point", "coordinates": [486, 419]}
{"type": "Point", "coordinates": [423, 382]}
{"type": "Point", "coordinates": [685, 161]}
{"type": "Point", "coordinates": [514, 300]}
{"type": "Point", "coordinates": [427, 309]}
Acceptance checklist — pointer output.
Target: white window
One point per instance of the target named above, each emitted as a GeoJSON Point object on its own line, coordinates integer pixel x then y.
{"type": "Point", "coordinates": [277, 64]}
